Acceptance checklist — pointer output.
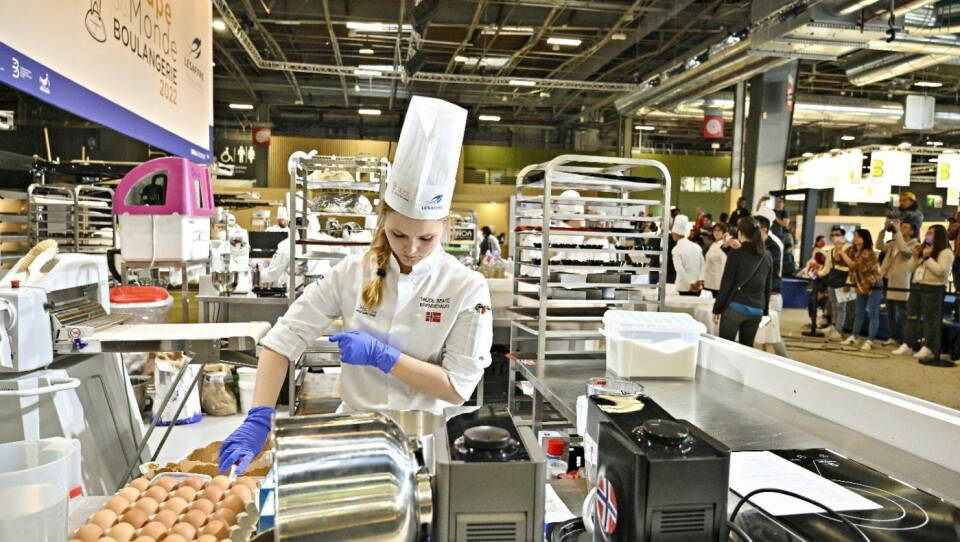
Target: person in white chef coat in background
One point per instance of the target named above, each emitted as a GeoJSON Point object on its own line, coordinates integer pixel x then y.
{"type": "Point", "coordinates": [417, 323]}
{"type": "Point", "coordinates": [283, 221]}
{"type": "Point", "coordinates": [687, 258]}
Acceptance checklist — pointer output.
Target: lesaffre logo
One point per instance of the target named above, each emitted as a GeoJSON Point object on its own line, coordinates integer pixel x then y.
{"type": "Point", "coordinates": [433, 204]}
{"type": "Point", "coordinates": [195, 47]}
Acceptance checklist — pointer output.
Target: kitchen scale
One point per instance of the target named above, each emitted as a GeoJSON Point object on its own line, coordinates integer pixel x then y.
{"type": "Point", "coordinates": [906, 512]}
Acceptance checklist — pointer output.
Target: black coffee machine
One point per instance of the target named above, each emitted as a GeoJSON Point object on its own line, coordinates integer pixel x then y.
{"type": "Point", "coordinates": [658, 479]}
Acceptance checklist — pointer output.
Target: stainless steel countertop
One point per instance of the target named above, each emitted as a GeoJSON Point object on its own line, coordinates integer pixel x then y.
{"type": "Point", "coordinates": [245, 299]}
{"type": "Point", "coordinates": [746, 419]}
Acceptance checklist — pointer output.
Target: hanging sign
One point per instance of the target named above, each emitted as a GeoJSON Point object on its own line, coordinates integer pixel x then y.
{"type": "Point", "coordinates": [261, 136]}
{"type": "Point", "coordinates": [948, 170]}
{"type": "Point", "coordinates": [713, 124]}
{"type": "Point", "coordinates": [891, 167]}
{"type": "Point", "coordinates": [141, 67]}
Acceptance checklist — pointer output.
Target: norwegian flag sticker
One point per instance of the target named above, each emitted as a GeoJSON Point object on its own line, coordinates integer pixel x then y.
{"type": "Point", "coordinates": [433, 317]}
{"type": "Point", "coordinates": [606, 506]}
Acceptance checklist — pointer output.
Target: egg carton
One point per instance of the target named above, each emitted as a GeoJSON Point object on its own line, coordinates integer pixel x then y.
{"type": "Point", "coordinates": [241, 530]}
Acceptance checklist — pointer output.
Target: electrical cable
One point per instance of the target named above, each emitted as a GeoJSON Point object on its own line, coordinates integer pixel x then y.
{"type": "Point", "coordinates": [830, 511]}
{"type": "Point", "coordinates": [740, 532]}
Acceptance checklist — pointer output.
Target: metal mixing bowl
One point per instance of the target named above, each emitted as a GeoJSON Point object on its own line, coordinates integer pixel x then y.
{"type": "Point", "coordinates": [224, 281]}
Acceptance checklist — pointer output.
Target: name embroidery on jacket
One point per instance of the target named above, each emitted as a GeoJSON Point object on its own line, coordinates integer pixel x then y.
{"type": "Point", "coordinates": [434, 302]}
{"type": "Point", "coordinates": [366, 312]}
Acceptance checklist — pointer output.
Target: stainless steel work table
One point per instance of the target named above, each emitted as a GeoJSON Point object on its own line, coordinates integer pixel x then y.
{"type": "Point", "coordinates": [745, 418]}
{"type": "Point", "coordinates": [243, 308]}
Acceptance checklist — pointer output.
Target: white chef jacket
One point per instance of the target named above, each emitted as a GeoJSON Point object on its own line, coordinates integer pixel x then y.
{"type": "Point", "coordinates": [277, 228]}
{"type": "Point", "coordinates": [688, 261]}
{"type": "Point", "coordinates": [279, 268]}
{"type": "Point", "coordinates": [438, 313]}
{"type": "Point", "coordinates": [715, 261]}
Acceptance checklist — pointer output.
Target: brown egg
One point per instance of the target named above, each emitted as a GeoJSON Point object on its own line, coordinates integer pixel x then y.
{"type": "Point", "coordinates": [225, 515]}
{"type": "Point", "coordinates": [221, 481]}
{"type": "Point", "coordinates": [174, 538]}
{"type": "Point", "coordinates": [208, 538]}
{"type": "Point", "coordinates": [118, 505]}
{"type": "Point", "coordinates": [104, 518]}
{"type": "Point", "coordinates": [195, 482]}
{"type": "Point", "coordinates": [195, 517]}
{"type": "Point", "coordinates": [167, 483]}
{"type": "Point", "coordinates": [167, 517]}
{"type": "Point", "coordinates": [148, 505]}
{"type": "Point", "coordinates": [135, 517]}
{"type": "Point", "coordinates": [143, 538]}
{"type": "Point", "coordinates": [154, 530]}
{"type": "Point", "coordinates": [203, 505]}
{"type": "Point", "coordinates": [107, 539]}
{"type": "Point", "coordinates": [122, 532]}
{"type": "Point", "coordinates": [130, 494]}
{"type": "Point", "coordinates": [212, 494]}
{"type": "Point", "coordinates": [186, 493]}
{"type": "Point", "coordinates": [231, 502]}
{"type": "Point", "coordinates": [246, 481]}
{"type": "Point", "coordinates": [140, 484]}
{"type": "Point", "coordinates": [243, 492]}
{"type": "Point", "coordinates": [185, 530]}
{"type": "Point", "coordinates": [89, 533]}
{"type": "Point", "coordinates": [176, 504]}
{"type": "Point", "coordinates": [216, 527]}
{"type": "Point", "coordinates": [156, 492]}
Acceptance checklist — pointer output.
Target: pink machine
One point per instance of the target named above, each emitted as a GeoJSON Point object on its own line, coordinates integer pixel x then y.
{"type": "Point", "coordinates": [164, 208]}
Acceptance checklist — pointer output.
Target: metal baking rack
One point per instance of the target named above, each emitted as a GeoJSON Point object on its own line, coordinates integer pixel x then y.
{"type": "Point", "coordinates": [559, 301]}
{"type": "Point", "coordinates": [78, 217]}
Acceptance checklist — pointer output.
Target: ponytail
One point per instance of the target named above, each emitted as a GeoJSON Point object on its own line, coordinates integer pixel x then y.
{"type": "Point", "coordinates": [378, 259]}
{"type": "Point", "coordinates": [751, 232]}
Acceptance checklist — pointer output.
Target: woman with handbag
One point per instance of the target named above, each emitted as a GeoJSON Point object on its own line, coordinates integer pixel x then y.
{"type": "Point", "coordinates": [836, 277]}
{"type": "Point", "coordinates": [744, 296]}
{"type": "Point", "coordinates": [930, 265]}
{"type": "Point", "coordinates": [861, 259]}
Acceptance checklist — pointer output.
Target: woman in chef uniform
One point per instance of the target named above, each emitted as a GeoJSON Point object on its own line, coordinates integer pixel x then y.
{"type": "Point", "coordinates": [417, 323]}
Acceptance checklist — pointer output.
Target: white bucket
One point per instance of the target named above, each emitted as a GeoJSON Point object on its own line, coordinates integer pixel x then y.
{"type": "Point", "coordinates": [246, 396]}
{"type": "Point", "coordinates": [35, 480]}
{"type": "Point", "coordinates": [247, 375]}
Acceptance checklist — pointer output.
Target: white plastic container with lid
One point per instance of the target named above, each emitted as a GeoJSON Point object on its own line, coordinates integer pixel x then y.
{"type": "Point", "coordinates": [652, 344]}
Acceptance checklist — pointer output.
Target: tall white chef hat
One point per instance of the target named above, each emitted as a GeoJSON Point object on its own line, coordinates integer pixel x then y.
{"type": "Point", "coordinates": [569, 208]}
{"type": "Point", "coordinates": [421, 180]}
{"type": "Point", "coordinates": [680, 225]}
{"type": "Point", "coordinates": [282, 213]}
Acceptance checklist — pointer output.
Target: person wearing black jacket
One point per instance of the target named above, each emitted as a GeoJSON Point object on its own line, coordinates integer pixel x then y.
{"type": "Point", "coordinates": [742, 211]}
{"type": "Point", "coordinates": [744, 295]}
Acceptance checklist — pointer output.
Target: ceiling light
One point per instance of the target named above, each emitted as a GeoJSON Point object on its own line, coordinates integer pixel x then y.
{"type": "Point", "coordinates": [847, 138]}
{"type": "Point", "coordinates": [933, 160]}
{"type": "Point", "coordinates": [929, 142]}
{"type": "Point", "coordinates": [569, 42]}
{"type": "Point", "coordinates": [905, 145]}
{"type": "Point", "coordinates": [491, 30]}
{"type": "Point", "coordinates": [219, 25]}
{"type": "Point", "coordinates": [377, 67]}
{"type": "Point", "coordinates": [522, 83]}
{"type": "Point", "coordinates": [619, 36]}
{"type": "Point", "coordinates": [242, 107]}
{"type": "Point", "coordinates": [368, 111]}
{"type": "Point", "coordinates": [714, 146]}
{"type": "Point", "coordinates": [367, 73]}
{"type": "Point", "coordinates": [807, 154]}
{"type": "Point", "coordinates": [366, 49]}
{"type": "Point", "coordinates": [928, 84]}
{"type": "Point", "coordinates": [460, 58]}
{"type": "Point", "coordinates": [490, 62]}
{"type": "Point", "coordinates": [378, 27]}
{"type": "Point", "coordinates": [645, 128]}
{"type": "Point", "coordinates": [491, 118]}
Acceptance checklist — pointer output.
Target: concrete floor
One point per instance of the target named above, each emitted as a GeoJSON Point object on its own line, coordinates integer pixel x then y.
{"type": "Point", "coordinates": [899, 373]}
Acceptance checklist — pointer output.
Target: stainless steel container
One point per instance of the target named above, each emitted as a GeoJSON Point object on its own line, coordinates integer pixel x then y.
{"type": "Point", "coordinates": [348, 477]}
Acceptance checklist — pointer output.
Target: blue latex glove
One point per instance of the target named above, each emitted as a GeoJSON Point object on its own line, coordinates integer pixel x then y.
{"type": "Point", "coordinates": [246, 441]}
{"type": "Point", "coordinates": [359, 348]}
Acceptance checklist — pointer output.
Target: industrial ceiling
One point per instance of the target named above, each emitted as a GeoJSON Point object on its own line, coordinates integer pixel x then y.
{"type": "Point", "coordinates": [553, 69]}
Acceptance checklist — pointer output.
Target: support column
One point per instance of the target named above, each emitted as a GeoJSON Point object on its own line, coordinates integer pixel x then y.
{"type": "Point", "coordinates": [263, 165]}
{"type": "Point", "coordinates": [626, 137]}
{"type": "Point", "coordinates": [767, 135]}
{"type": "Point", "coordinates": [736, 152]}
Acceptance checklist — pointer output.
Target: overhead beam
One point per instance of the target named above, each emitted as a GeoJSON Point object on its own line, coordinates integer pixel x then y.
{"type": "Point", "coordinates": [336, 50]}
{"type": "Point", "coordinates": [275, 50]}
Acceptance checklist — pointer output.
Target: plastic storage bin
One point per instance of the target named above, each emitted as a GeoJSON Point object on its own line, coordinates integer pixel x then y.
{"type": "Point", "coordinates": [35, 480]}
{"type": "Point", "coordinates": [147, 304]}
{"type": "Point", "coordinates": [652, 344]}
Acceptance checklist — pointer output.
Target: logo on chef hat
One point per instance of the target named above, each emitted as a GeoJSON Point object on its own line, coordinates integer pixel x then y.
{"type": "Point", "coordinates": [433, 203]}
